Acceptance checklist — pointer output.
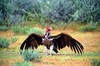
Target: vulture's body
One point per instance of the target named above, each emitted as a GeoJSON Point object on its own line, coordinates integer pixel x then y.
{"type": "Point", "coordinates": [55, 43]}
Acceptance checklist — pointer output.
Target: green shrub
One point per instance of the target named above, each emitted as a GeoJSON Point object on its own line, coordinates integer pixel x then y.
{"type": "Point", "coordinates": [26, 30]}
{"type": "Point", "coordinates": [3, 28]}
{"type": "Point", "coordinates": [4, 42]}
{"type": "Point", "coordinates": [95, 62]}
{"type": "Point", "coordinates": [14, 39]}
{"type": "Point", "coordinates": [35, 30]}
{"type": "Point", "coordinates": [89, 27]}
{"type": "Point", "coordinates": [30, 55]}
{"type": "Point", "coordinates": [20, 29]}
{"type": "Point", "coordinates": [16, 29]}
{"type": "Point", "coordinates": [24, 63]}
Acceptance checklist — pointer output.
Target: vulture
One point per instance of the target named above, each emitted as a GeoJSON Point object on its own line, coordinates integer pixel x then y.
{"type": "Point", "coordinates": [53, 43]}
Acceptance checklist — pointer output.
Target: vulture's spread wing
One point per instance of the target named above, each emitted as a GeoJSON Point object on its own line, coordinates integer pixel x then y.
{"type": "Point", "coordinates": [62, 40]}
{"type": "Point", "coordinates": [32, 41]}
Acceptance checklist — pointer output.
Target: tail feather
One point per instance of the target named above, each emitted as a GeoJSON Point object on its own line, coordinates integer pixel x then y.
{"type": "Point", "coordinates": [55, 49]}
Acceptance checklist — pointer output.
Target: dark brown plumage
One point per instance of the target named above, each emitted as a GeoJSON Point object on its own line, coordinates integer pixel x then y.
{"type": "Point", "coordinates": [62, 40]}
{"type": "Point", "coordinates": [33, 40]}
{"type": "Point", "coordinates": [59, 41]}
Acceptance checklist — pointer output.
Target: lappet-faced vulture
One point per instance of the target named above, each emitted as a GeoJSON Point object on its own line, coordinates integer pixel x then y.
{"type": "Point", "coordinates": [54, 43]}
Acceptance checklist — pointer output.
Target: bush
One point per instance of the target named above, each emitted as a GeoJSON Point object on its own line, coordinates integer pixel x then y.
{"type": "Point", "coordinates": [20, 29]}
{"type": "Point", "coordinates": [95, 62]}
{"type": "Point", "coordinates": [30, 55]}
{"type": "Point", "coordinates": [25, 63]}
{"type": "Point", "coordinates": [14, 39]}
{"type": "Point", "coordinates": [26, 30]}
{"type": "Point", "coordinates": [88, 28]}
{"type": "Point", "coordinates": [36, 30]}
{"type": "Point", "coordinates": [15, 11]}
{"type": "Point", "coordinates": [3, 28]}
{"type": "Point", "coordinates": [4, 42]}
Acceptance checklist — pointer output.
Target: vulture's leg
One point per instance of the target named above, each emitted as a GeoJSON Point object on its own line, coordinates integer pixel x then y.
{"type": "Point", "coordinates": [51, 48]}
{"type": "Point", "coordinates": [46, 50]}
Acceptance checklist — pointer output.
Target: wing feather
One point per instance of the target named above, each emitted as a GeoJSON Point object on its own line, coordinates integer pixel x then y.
{"type": "Point", "coordinates": [62, 40]}
{"type": "Point", "coordinates": [74, 48]}
{"type": "Point", "coordinates": [33, 40]}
